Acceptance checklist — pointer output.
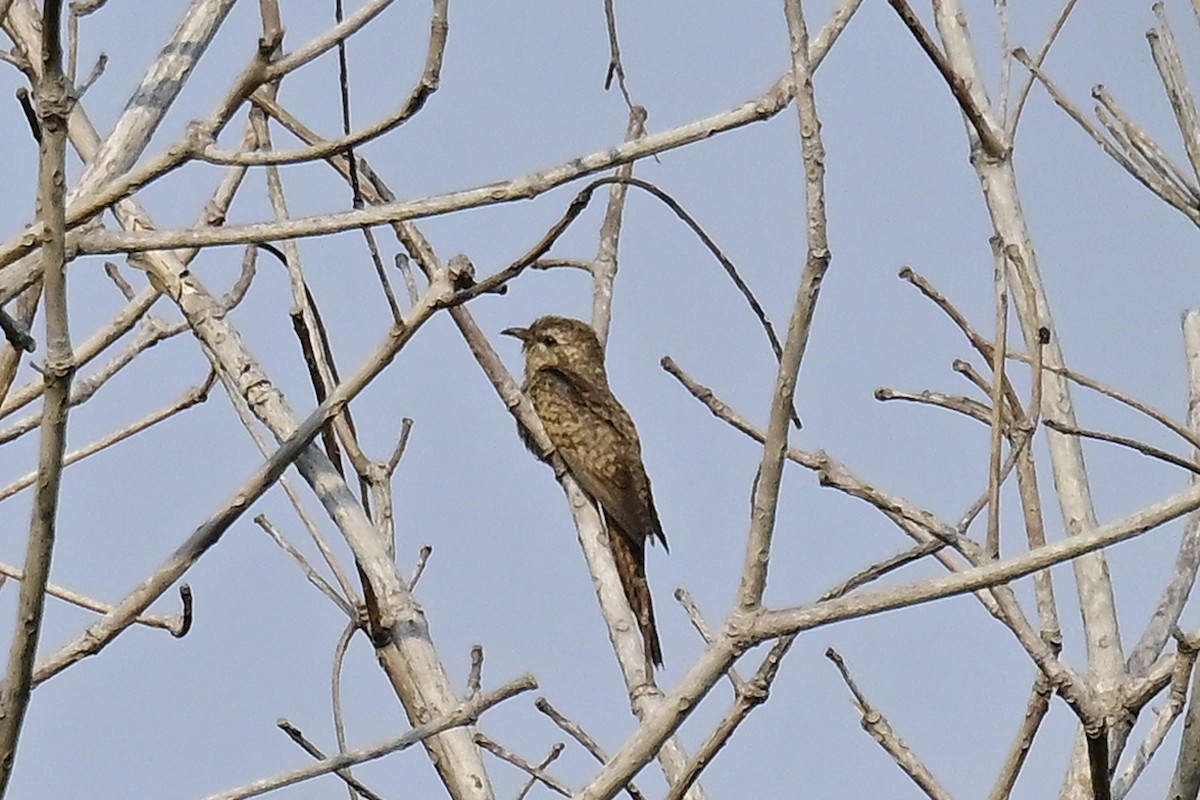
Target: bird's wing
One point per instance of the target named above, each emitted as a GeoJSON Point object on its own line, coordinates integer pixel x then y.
{"type": "Point", "coordinates": [622, 489]}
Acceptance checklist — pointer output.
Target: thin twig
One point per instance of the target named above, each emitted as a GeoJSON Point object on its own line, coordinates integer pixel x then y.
{"type": "Point", "coordinates": [990, 137]}
{"type": "Point", "coordinates": [409, 281]}
{"type": "Point", "coordinates": [1153, 413]}
{"type": "Point", "coordinates": [1151, 180]}
{"type": "Point", "coordinates": [393, 461]}
{"type": "Point", "coordinates": [335, 682]}
{"type": "Point", "coordinates": [1165, 51]}
{"type": "Point", "coordinates": [976, 340]}
{"type": "Point", "coordinates": [685, 599]}
{"type": "Point", "coordinates": [246, 415]}
{"type": "Point", "coordinates": [190, 398]}
{"type": "Point", "coordinates": [344, 94]}
{"type": "Point", "coordinates": [876, 724]}
{"type": "Point", "coordinates": [1038, 60]}
{"type": "Point", "coordinates": [465, 714]}
{"type": "Point", "coordinates": [297, 736]}
{"type": "Point", "coordinates": [953, 402]}
{"type": "Point", "coordinates": [1000, 290]}
{"type": "Point", "coordinates": [750, 696]}
{"type": "Point", "coordinates": [1035, 711]}
{"type": "Point", "coordinates": [1135, 141]}
{"type": "Point", "coordinates": [550, 758]}
{"type": "Point", "coordinates": [172, 624]}
{"type": "Point", "coordinates": [1187, 561]}
{"type": "Point", "coordinates": [311, 574]}
{"type": "Point", "coordinates": [153, 331]}
{"type": "Point", "coordinates": [577, 733]}
{"type": "Point", "coordinates": [615, 67]}
{"type": "Point", "coordinates": [426, 86]}
{"type": "Point", "coordinates": [381, 272]}
{"type": "Point", "coordinates": [881, 568]}
{"type": "Point", "coordinates": [93, 76]}
{"type": "Point", "coordinates": [1125, 441]}
{"type": "Point", "coordinates": [419, 569]}
{"type": "Point", "coordinates": [830, 472]}
{"type": "Point", "coordinates": [981, 502]}
{"type": "Point", "coordinates": [1164, 718]}
{"type": "Point", "coordinates": [538, 774]}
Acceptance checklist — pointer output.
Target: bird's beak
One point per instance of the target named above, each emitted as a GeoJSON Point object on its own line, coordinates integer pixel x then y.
{"type": "Point", "coordinates": [517, 333]}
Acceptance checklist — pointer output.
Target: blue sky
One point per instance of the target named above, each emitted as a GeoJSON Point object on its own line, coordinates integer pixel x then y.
{"type": "Point", "coordinates": [522, 89]}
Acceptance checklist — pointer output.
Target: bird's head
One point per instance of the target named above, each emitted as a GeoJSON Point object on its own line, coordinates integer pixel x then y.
{"type": "Point", "coordinates": [559, 343]}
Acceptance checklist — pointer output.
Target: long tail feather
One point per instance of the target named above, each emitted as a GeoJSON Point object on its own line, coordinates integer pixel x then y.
{"type": "Point", "coordinates": [631, 566]}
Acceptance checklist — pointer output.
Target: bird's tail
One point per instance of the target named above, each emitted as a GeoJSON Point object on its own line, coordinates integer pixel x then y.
{"type": "Point", "coordinates": [630, 558]}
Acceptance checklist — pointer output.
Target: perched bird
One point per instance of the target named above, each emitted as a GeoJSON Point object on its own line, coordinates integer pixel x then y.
{"type": "Point", "coordinates": [595, 437]}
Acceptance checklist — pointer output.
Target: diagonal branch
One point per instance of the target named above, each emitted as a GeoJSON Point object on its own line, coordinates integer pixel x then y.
{"type": "Point", "coordinates": [990, 136]}
{"type": "Point", "coordinates": [882, 732]}
{"type": "Point", "coordinates": [465, 714]}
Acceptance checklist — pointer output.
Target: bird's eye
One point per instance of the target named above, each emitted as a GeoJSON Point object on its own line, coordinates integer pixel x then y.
{"type": "Point", "coordinates": [549, 340]}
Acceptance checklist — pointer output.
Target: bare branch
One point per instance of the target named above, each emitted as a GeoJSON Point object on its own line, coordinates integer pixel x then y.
{"type": "Point", "coordinates": [990, 136]}
{"type": "Point", "coordinates": [1186, 780]}
{"type": "Point", "coordinates": [604, 268]}
{"type": "Point", "coordinates": [880, 568]}
{"type": "Point", "coordinates": [1170, 68]}
{"type": "Point", "coordinates": [172, 624]}
{"type": "Point", "coordinates": [998, 421]}
{"type": "Point", "coordinates": [615, 67]}
{"type": "Point", "coordinates": [297, 736]}
{"type": "Point", "coordinates": [550, 758]}
{"type": "Point", "coordinates": [1035, 712]}
{"type": "Point", "coordinates": [522, 188]}
{"type": "Point", "coordinates": [1038, 60]}
{"type": "Point", "coordinates": [750, 695]}
{"type": "Point", "coordinates": [1187, 561]}
{"type": "Point", "coordinates": [426, 86]}
{"type": "Point", "coordinates": [54, 104]}
{"type": "Point", "coordinates": [874, 723]}
{"type": "Point", "coordinates": [1124, 441]}
{"type": "Point", "coordinates": [311, 574]}
{"type": "Point", "coordinates": [962, 405]}
{"type": "Point", "coordinates": [192, 397]}
{"type": "Point", "coordinates": [1138, 169]}
{"type": "Point", "coordinates": [580, 735]}
{"type": "Point", "coordinates": [766, 494]}
{"type": "Point", "coordinates": [685, 599]}
{"type": "Point", "coordinates": [206, 535]}
{"type": "Point", "coordinates": [1185, 662]}
{"type": "Point", "coordinates": [538, 773]}
{"type": "Point", "coordinates": [770, 624]}
{"type": "Point", "coordinates": [465, 714]}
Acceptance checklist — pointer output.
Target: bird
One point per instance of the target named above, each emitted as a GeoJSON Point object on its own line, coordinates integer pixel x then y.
{"type": "Point", "coordinates": [567, 383]}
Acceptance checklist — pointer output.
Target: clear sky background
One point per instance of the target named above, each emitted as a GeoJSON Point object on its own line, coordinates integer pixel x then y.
{"type": "Point", "coordinates": [522, 89]}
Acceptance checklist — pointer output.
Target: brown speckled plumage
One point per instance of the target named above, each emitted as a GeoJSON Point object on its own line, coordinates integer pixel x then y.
{"type": "Point", "coordinates": [595, 437]}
